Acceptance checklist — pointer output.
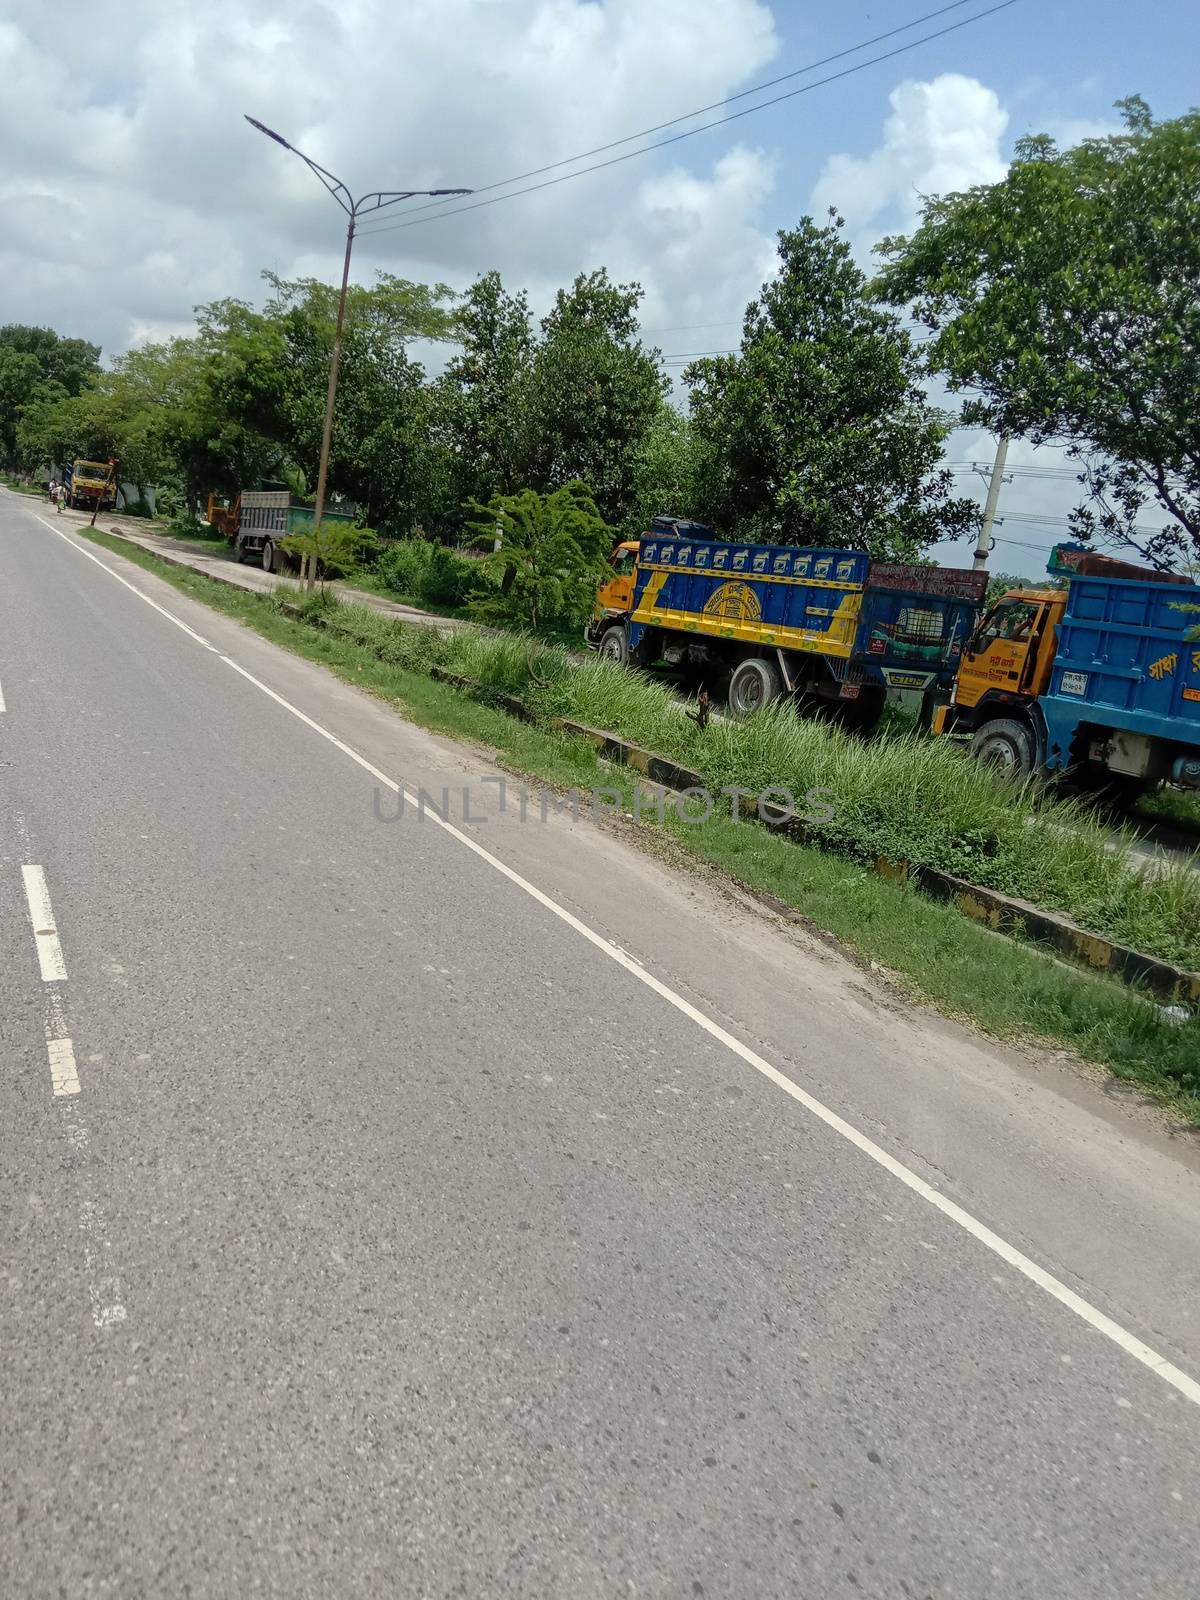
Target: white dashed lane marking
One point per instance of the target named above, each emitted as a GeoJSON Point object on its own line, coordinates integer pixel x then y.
{"type": "Point", "coordinates": [45, 932]}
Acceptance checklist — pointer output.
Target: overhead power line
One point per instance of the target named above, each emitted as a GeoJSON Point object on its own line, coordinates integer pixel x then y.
{"type": "Point", "coordinates": [1031, 471]}
{"type": "Point", "coordinates": [759, 88]}
{"type": "Point", "coordinates": [416, 220]}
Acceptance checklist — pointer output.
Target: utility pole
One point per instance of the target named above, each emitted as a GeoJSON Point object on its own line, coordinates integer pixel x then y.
{"type": "Point", "coordinates": [354, 209]}
{"type": "Point", "coordinates": [983, 545]}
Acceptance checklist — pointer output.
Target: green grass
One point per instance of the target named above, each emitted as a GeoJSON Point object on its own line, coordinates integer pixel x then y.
{"type": "Point", "coordinates": [1009, 989]}
{"type": "Point", "coordinates": [1177, 808]}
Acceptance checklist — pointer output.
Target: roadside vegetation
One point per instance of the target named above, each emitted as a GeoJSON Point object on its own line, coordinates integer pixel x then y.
{"type": "Point", "coordinates": [1009, 989]}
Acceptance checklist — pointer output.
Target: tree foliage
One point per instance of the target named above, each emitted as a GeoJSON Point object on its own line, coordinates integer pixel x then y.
{"type": "Point", "coordinates": [485, 392]}
{"type": "Point", "coordinates": [819, 430]}
{"type": "Point", "coordinates": [594, 392]}
{"type": "Point", "coordinates": [553, 551]}
{"type": "Point", "coordinates": [576, 400]}
{"type": "Point", "coordinates": [1067, 297]}
{"type": "Point", "coordinates": [665, 476]}
{"type": "Point", "coordinates": [37, 368]}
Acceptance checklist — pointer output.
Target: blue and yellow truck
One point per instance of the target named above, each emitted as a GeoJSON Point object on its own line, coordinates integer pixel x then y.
{"type": "Point", "coordinates": [831, 629]}
{"type": "Point", "coordinates": [1098, 680]}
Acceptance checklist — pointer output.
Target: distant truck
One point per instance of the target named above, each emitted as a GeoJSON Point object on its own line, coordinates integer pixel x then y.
{"type": "Point", "coordinates": [1099, 680]}
{"type": "Point", "coordinates": [831, 629]}
{"type": "Point", "coordinates": [89, 484]}
{"type": "Point", "coordinates": [259, 519]}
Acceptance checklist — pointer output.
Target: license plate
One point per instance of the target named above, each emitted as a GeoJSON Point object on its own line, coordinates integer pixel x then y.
{"type": "Point", "coordinates": [849, 691]}
{"type": "Point", "coordinates": [1074, 683]}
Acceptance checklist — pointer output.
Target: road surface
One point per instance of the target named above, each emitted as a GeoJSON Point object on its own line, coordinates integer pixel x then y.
{"type": "Point", "coordinates": [402, 1209]}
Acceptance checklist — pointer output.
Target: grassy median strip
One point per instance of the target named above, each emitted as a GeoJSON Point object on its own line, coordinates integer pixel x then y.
{"type": "Point", "coordinates": [1011, 990]}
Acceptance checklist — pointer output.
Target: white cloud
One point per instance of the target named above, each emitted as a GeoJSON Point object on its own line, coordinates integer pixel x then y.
{"type": "Point", "coordinates": [699, 243]}
{"type": "Point", "coordinates": [132, 189]}
{"type": "Point", "coordinates": [941, 136]}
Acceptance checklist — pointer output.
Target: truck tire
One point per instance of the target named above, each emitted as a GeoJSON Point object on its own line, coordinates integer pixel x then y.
{"type": "Point", "coordinates": [1005, 744]}
{"type": "Point", "coordinates": [614, 645]}
{"type": "Point", "coordinates": [268, 556]}
{"type": "Point", "coordinates": [754, 684]}
{"type": "Point", "coordinates": [239, 548]}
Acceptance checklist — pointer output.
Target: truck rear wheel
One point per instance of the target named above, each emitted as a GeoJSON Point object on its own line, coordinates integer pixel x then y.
{"type": "Point", "coordinates": [268, 556]}
{"type": "Point", "coordinates": [754, 684]}
{"type": "Point", "coordinates": [1005, 744]}
{"type": "Point", "coordinates": [614, 646]}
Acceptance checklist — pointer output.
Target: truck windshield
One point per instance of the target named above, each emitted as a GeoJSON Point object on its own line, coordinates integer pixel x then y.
{"type": "Point", "coordinates": [90, 469]}
{"type": "Point", "coordinates": [1012, 619]}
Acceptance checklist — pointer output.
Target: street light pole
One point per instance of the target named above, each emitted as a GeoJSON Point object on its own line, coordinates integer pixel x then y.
{"type": "Point", "coordinates": [353, 209]}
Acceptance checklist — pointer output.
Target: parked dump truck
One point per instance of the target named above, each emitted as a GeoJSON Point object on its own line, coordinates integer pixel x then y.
{"type": "Point", "coordinates": [90, 483]}
{"type": "Point", "coordinates": [1099, 680]}
{"type": "Point", "coordinates": [261, 518]}
{"type": "Point", "coordinates": [831, 629]}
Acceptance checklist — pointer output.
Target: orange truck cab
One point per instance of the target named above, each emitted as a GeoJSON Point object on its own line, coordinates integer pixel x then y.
{"type": "Point", "coordinates": [614, 597]}
{"type": "Point", "coordinates": [1099, 679]}
{"type": "Point", "coordinates": [1005, 666]}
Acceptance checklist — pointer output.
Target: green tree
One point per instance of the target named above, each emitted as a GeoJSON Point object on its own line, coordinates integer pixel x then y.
{"type": "Point", "coordinates": [665, 472]}
{"type": "Point", "coordinates": [71, 362]}
{"type": "Point", "coordinates": [1067, 299]}
{"type": "Point", "coordinates": [553, 552]}
{"type": "Point", "coordinates": [819, 431]}
{"type": "Point", "coordinates": [594, 393]}
{"type": "Point", "coordinates": [485, 392]}
{"type": "Point", "coordinates": [381, 424]}
{"type": "Point", "coordinates": [37, 365]}
{"type": "Point", "coordinates": [48, 429]}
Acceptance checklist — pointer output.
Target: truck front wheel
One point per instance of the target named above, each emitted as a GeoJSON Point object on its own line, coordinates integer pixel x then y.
{"type": "Point", "coordinates": [1005, 744]}
{"type": "Point", "coordinates": [754, 684]}
{"type": "Point", "coordinates": [614, 646]}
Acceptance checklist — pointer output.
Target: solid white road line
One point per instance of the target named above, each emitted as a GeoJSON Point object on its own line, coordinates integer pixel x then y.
{"type": "Point", "coordinates": [1054, 1287]}
{"type": "Point", "coordinates": [133, 589]}
{"type": "Point", "coordinates": [41, 915]}
{"type": "Point", "coordinates": [3, 707]}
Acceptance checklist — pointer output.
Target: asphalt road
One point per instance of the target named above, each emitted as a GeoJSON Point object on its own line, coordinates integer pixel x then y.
{"type": "Point", "coordinates": [491, 1212]}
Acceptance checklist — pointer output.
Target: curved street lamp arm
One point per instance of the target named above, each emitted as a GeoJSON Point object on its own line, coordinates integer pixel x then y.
{"type": "Point", "coordinates": [388, 197]}
{"type": "Point", "coordinates": [335, 185]}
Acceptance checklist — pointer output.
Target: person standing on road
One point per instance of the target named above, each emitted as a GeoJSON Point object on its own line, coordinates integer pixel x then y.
{"type": "Point", "coordinates": [52, 489]}
{"type": "Point", "coordinates": [61, 497]}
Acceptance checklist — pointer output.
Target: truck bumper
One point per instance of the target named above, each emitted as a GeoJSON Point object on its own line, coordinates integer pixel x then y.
{"type": "Point", "coordinates": [942, 718]}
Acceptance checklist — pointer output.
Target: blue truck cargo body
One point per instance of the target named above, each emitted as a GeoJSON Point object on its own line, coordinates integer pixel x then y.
{"type": "Point", "coordinates": [898, 625]}
{"type": "Point", "coordinates": [1124, 661]}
